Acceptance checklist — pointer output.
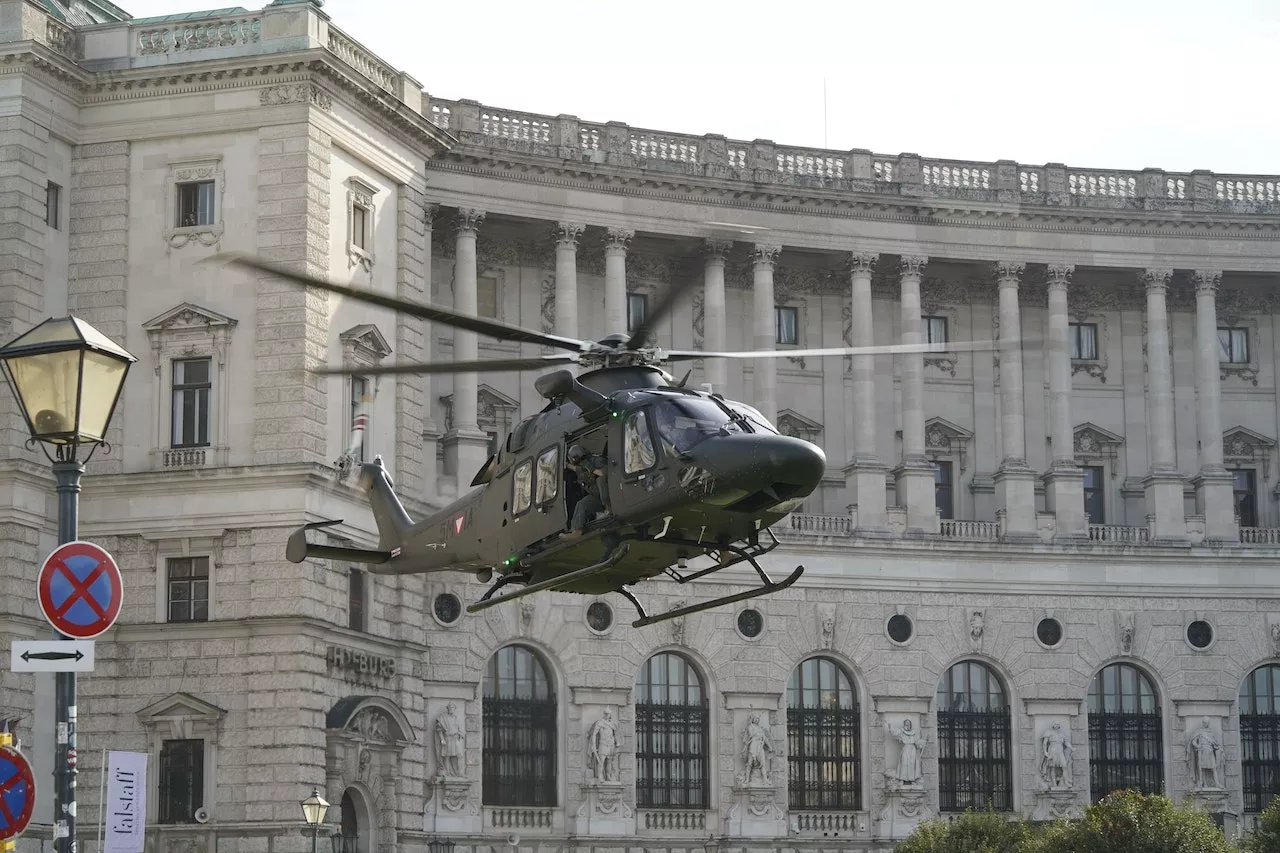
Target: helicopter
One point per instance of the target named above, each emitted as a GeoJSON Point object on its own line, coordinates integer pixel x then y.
{"type": "Point", "coordinates": [688, 473]}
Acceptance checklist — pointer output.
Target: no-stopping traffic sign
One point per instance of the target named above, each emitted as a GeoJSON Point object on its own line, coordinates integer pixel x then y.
{"type": "Point", "coordinates": [80, 590]}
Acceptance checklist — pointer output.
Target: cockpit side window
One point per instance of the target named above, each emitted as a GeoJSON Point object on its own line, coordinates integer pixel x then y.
{"type": "Point", "coordinates": [638, 454]}
{"type": "Point", "coordinates": [549, 475]}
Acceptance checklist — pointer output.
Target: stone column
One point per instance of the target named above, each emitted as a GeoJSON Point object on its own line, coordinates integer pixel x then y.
{"type": "Point", "coordinates": [465, 442]}
{"type": "Point", "coordinates": [1163, 482]}
{"type": "Point", "coordinates": [714, 322]}
{"type": "Point", "coordinates": [615, 279]}
{"type": "Point", "coordinates": [1214, 497]}
{"type": "Point", "coordinates": [1065, 479]}
{"type": "Point", "coordinates": [765, 370]}
{"type": "Point", "coordinates": [914, 476]}
{"type": "Point", "coordinates": [1014, 479]}
{"type": "Point", "coordinates": [865, 474]}
{"type": "Point", "coordinates": [567, 235]}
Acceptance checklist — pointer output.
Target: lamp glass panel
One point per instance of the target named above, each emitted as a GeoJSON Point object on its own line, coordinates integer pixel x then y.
{"type": "Point", "coordinates": [47, 385]}
{"type": "Point", "coordinates": [103, 376]}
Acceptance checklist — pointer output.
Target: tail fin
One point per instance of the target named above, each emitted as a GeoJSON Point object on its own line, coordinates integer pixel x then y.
{"type": "Point", "coordinates": [388, 513]}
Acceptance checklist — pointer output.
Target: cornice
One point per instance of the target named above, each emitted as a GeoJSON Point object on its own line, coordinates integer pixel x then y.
{"type": "Point", "coordinates": [866, 206]}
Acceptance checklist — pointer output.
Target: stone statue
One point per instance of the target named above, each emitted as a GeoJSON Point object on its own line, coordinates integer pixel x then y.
{"type": "Point", "coordinates": [602, 742]}
{"type": "Point", "coordinates": [1055, 757]}
{"type": "Point", "coordinates": [1275, 636]}
{"type": "Point", "coordinates": [1126, 633]}
{"type": "Point", "coordinates": [451, 738]}
{"type": "Point", "coordinates": [1203, 751]}
{"type": "Point", "coordinates": [913, 743]}
{"type": "Point", "coordinates": [756, 747]}
{"type": "Point", "coordinates": [828, 631]}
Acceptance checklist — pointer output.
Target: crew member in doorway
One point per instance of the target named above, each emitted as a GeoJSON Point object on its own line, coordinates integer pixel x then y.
{"type": "Point", "coordinates": [595, 490]}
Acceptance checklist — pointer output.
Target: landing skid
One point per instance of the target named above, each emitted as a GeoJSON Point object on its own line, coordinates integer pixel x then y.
{"type": "Point", "coordinates": [735, 555]}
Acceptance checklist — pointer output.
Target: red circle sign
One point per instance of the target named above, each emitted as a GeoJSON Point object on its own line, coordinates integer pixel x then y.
{"type": "Point", "coordinates": [80, 590]}
{"type": "Point", "coordinates": [17, 793]}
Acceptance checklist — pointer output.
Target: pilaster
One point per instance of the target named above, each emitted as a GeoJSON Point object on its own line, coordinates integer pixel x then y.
{"type": "Point", "coordinates": [567, 235]}
{"type": "Point", "coordinates": [1215, 499]}
{"type": "Point", "coordinates": [430, 431]}
{"type": "Point", "coordinates": [914, 475]}
{"type": "Point", "coordinates": [291, 403]}
{"type": "Point", "coordinates": [1164, 482]}
{"type": "Point", "coordinates": [907, 800]}
{"type": "Point", "coordinates": [714, 311]}
{"type": "Point", "coordinates": [616, 241]}
{"type": "Point", "coordinates": [411, 238]}
{"type": "Point", "coordinates": [98, 256]}
{"type": "Point", "coordinates": [1061, 759]}
{"type": "Point", "coordinates": [864, 476]}
{"type": "Point", "coordinates": [764, 257]}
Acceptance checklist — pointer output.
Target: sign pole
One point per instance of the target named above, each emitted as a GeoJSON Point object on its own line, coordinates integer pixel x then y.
{"type": "Point", "coordinates": [67, 474]}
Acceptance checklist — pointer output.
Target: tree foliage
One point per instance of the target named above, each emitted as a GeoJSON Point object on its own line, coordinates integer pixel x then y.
{"type": "Point", "coordinates": [971, 832]}
{"type": "Point", "coordinates": [1265, 837]}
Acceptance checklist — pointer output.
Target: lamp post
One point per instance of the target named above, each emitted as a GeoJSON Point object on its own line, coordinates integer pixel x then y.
{"type": "Point", "coordinates": [67, 377]}
{"type": "Point", "coordinates": [314, 808]}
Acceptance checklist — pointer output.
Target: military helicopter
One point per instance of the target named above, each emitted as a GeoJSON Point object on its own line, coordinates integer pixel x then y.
{"type": "Point", "coordinates": [688, 473]}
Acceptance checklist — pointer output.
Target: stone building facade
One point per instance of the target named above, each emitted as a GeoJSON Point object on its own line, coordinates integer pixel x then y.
{"type": "Point", "coordinates": [1034, 574]}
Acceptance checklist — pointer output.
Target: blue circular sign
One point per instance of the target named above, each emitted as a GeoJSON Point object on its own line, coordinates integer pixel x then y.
{"type": "Point", "coordinates": [80, 590]}
{"type": "Point", "coordinates": [17, 793]}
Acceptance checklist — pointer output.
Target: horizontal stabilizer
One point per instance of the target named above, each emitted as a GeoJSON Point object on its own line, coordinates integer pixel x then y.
{"type": "Point", "coordinates": [299, 549]}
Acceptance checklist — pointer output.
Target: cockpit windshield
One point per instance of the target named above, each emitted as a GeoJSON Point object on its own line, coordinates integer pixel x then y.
{"type": "Point", "coordinates": [759, 423]}
{"type": "Point", "coordinates": [685, 421]}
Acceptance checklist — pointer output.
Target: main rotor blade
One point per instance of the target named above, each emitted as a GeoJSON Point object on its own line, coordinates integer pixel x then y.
{"type": "Point", "coordinates": [889, 349]}
{"type": "Point", "coordinates": [644, 332]}
{"type": "Point", "coordinates": [492, 365]}
{"type": "Point", "coordinates": [436, 314]}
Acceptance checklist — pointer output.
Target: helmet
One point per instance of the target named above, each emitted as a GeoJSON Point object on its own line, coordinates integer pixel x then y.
{"type": "Point", "coordinates": [576, 454]}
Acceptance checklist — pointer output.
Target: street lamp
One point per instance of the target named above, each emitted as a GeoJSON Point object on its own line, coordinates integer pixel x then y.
{"type": "Point", "coordinates": [67, 377]}
{"type": "Point", "coordinates": [314, 808]}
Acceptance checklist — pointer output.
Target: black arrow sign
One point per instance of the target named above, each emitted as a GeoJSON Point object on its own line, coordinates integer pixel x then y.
{"type": "Point", "coordinates": [77, 654]}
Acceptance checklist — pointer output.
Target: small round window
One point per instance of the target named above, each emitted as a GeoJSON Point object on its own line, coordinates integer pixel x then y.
{"type": "Point", "coordinates": [750, 623]}
{"type": "Point", "coordinates": [1200, 634]}
{"type": "Point", "coordinates": [1049, 631]}
{"type": "Point", "coordinates": [599, 617]}
{"type": "Point", "coordinates": [900, 628]}
{"type": "Point", "coordinates": [447, 608]}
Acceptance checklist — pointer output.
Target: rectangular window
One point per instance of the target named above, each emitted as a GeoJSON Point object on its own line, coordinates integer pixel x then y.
{"type": "Point", "coordinates": [1082, 338]}
{"type": "Point", "coordinates": [181, 780]}
{"type": "Point", "coordinates": [943, 489]}
{"type": "Point", "coordinates": [355, 599]}
{"type": "Point", "coordinates": [52, 205]}
{"type": "Point", "coordinates": [1094, 503]}
{"type": "Point", "coordinates": [191, 385]}
{"type": "Point", "coordinates": [195, 204]}
{"type": "Point", "coordinates": [1245, 491]}
{"type": "Point", "coordinates": [189, 589]}
{"type": "Point", "coordinates": [1233, 346]}
{"type": "Point", "coordinates": [360, 227]}
{"type": "Point", "coordinates": [637, 310]}
{"type": "Point", "coordinates": [359, 393]}
{"type": "Point", "coordinates": [487, 296]}
{"type": "Point", "coordinates": [787, 321]}
{"type": "Point", "coordinates": [933, 330]}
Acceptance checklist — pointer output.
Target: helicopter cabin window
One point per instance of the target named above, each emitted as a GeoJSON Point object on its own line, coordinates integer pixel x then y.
{"type": "Point", "coordinates": [637, 310]}
{"type": "Point", "coordinates": [522, 487]}
{"type": "Point", "coordinates": [638, 453]}
{"type": "Point", "coordinates": [549, 475]}
{"type": "Point", "coordinates": [788, 324]}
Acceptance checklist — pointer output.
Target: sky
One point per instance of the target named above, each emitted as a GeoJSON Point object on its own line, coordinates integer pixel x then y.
{"type": "Point", "coordinates": [1110, 84]}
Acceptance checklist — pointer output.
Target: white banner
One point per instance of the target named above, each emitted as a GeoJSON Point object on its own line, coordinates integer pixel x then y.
{"type": "Point", "coordinates": [126, 802]}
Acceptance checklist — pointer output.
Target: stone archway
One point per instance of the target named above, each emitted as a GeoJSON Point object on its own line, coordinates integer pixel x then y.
{"type": "Point", "coordinates": [365, 738]}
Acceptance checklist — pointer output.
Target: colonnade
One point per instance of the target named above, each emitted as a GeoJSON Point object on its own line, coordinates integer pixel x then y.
{"type": "Point", "coordinates": [913, 473]}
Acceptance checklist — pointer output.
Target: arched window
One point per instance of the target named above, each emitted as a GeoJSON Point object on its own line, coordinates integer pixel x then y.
{"type": "Point", "coordinates": [824, 758]}
{"type": "Point", "coordinates": [1126, 747]}
{"type": "Point", "coordinates": [974, 769]}
{"type": "Point", "coordinates": [672, 734]}
{"type": "Point", "coordinates": [1260, 737]}
{"type": "Point", "coordinates": [519, 707]}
